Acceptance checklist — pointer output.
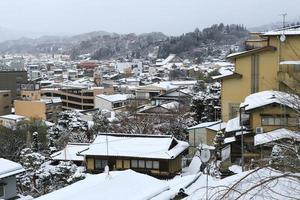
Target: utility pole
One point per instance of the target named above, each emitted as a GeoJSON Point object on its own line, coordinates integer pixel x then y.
{"type": "Point", "coordinates": [283, 19]}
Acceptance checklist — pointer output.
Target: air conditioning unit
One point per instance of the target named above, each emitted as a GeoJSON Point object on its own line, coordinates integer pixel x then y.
{"type": "Point", "coordinates": [259, 130]}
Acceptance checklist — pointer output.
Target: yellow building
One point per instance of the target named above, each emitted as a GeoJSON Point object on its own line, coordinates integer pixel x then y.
{"type": "Point", "coordinates": [42, 109]}
{"type": "Point", "coordinates": [273, 64]}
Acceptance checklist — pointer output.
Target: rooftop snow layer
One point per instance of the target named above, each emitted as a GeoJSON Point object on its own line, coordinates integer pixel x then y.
{"type": "Point", "coordinates": [136, 146]}
{"type": "Point", "coordinates": [204, 125]}
{"type": "Point", "coordinates": [126, 185]}
{"type": "Point", "coordinates": [114, 97]}
{"type": "Point", "coordinates": [275, 135]}
{"type": "Point", "coordinates": [9, 168]}
{"type": "Point", "coordinates": [268, 97]}
{"type": "Point", "coordinates": [70, 152]}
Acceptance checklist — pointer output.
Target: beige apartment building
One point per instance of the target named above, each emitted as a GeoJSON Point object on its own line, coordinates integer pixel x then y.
{"type": "Point", "coordinates": [5, 102]}
{"type": "Point", "coordinates": [81, 98]}
{"type": "Point", "coordinates": [43, 109]}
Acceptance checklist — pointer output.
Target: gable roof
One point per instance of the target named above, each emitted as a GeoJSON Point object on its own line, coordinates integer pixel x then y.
{"type": "Point", "coordinates": [268, 97]}
{"type": "Point", "coordinates": [252, 51]}
{"type": "Point", "coordinates": [143, 146]}
{"type": "Point", "coordinates": [70, 152]}
{"type": "Point", "coordinates": [9, 168]}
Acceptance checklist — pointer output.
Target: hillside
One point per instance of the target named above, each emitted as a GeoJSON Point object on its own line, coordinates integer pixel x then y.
{"type": "Point", "coordinates": [214, 41]}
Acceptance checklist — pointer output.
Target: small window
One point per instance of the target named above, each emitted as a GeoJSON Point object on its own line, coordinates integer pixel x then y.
{"type": "Point", "coordinates": [134, 164]}
{"type": "Point", "coordinates": [267, 120]}
{"type": "Point", "coordinates": [149, 164]}
{"type": "Point", "coordinates": [155, 164]}
{"type": "Point", "coordinates": [141, 164]}
{"type": "Point", "coordinates": [100, 164]}
{"type": "Point", "coordinates": [119, 164]}
{"type": "Point", "coordinates": [1, 190]}
{"type": "Point", "coordinates": [126, 164]}
{"type": "Point", "coordinates": [5, 95]}
{"type": "Point", "coordinates": [297, 68]}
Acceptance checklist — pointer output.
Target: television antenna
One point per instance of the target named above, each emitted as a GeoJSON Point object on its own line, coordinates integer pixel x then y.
{"type": "Point", "coordinates": [282, 36]}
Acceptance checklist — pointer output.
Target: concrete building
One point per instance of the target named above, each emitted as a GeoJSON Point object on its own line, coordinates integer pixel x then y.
{"type": "Point", "coordinates": [11, 121]}
{"type": "Point", "coordinates": [112, 102]}
{"type": "Point", "coordinates": [43, 109]}
{"type": "Point", "coordinates": [5, 102]}
{"type": "Point", "coordinates": [12, 80]}
{"type": "Point", "coordinates": [81, 98]}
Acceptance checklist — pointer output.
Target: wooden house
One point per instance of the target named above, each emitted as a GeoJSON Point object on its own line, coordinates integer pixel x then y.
{"type": "Point", "coordinates": [159, 156]}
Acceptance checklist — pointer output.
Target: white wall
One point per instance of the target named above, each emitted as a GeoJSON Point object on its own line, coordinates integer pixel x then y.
{"type": "Point", "coordinates": [103, 104]}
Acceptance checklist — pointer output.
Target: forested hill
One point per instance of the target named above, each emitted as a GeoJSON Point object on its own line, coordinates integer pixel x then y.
{"type": "Point", "coordinates": [208, 42]}
{"type": "Point", "coordinates": [214, 42]}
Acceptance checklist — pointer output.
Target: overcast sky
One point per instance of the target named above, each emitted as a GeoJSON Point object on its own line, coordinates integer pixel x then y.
{"type": "Point", "coordinates": [171, 17]}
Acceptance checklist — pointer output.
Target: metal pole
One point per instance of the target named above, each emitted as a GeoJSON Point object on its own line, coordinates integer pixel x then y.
{"type": "Point", "coordinates": [242, 139]}
{"type": "Point", "coordinates": [207, 182]}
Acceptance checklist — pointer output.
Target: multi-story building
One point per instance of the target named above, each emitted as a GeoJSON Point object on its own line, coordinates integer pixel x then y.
{"type": "Point", "coordinates": [5, 102]}
{"type": "Point", "coordinates": [76, 97]}
{"type": "Point", "coordinates": [273, 64]}
{"type": "Point", "coordinates": [12, 80]}
{"type": "Point", "coordinates": [46, 108]}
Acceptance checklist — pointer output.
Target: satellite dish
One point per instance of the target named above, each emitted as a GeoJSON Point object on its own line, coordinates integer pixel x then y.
{"type": "Point", "coordinates": [205, 155]}
{"type": "Point", "coordinates": [282, 38]}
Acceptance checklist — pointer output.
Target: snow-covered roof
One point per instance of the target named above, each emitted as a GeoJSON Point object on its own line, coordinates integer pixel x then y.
{"type": "Point", "coordinates": [114, 97]}
{"type": "Point", "coordinates": [13, 117]}
{"type": "Point", "coordinates": [247, 185]}
{"type": "Point", "coordinates": [170, 106]}
{"type": "Point", "coordinates": [290, 62]}
{"type": "Point", "coordinates": [136, 146]}
{"type": "Point", "coordinates": [166, 60]}
{"type": "Point", "coordinates": [287, 31]}
{"type": "Point", "coordinates": [127, 185]}
{"type": "Point", "coordinates": [9, 168]}
{"type": "Point", "coordinates": [70, 152]}
{"type": "Point", "coordinates": [233, 125]}
{"type": "Point", "coordinates": [268, 97]}
{"type": "Point", "coordinates": [229, 140]}
{"type": "Point", "coordinates": [218, 126]}
{"type": "Point", "coordinates": [275, 135]}
{"type": "Point", "coordinates": [224, 71]}
{"type": "Point", "coordinates": [204, 125]}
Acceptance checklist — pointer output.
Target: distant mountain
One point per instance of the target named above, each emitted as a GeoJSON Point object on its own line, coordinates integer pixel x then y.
{"type": "Point", "coordinates": [47, 44]}
{"type": "Point", "coordinates": [212, 41]}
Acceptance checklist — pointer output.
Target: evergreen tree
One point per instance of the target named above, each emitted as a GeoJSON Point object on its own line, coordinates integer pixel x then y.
{"type": "Point", "coordinates": [35, 142]}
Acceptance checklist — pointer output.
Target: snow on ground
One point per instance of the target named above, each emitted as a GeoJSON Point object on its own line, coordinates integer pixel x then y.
{"type": "Point", "coordinates": [257, 185]}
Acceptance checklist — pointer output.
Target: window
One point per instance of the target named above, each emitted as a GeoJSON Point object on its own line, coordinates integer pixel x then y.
{"type": "Point", "coordinates": [119, 164]}
{"type": "Point", "coordinates": [155, 165]}
{"type": "Point", "coordinates": [100, 164]}
{"type": "Point", "coordinates": [149, 164]}
{"type": "Point", "coordinates": [1, 190]}
{"type": "Point", "coordinates": [134, 163]}
{"type": "Point", "coordinates": [254, 73]}
{"type": "Point", "coordinates": [296, 68]}
{"type": "Point", "coordinates": [5, 95]}
{"type": "Point", "coordinates": [141, 164]}
{"type": "Point", "coordinates": [278, 120]}
{"type": "Point", "coordinates": [233, 110]}
{"type": "Point", "coordinates": [126, 164]}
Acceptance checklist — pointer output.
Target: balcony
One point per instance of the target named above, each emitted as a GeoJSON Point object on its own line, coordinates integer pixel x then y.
{"type": "Point", "coordinates": [290, 79]}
